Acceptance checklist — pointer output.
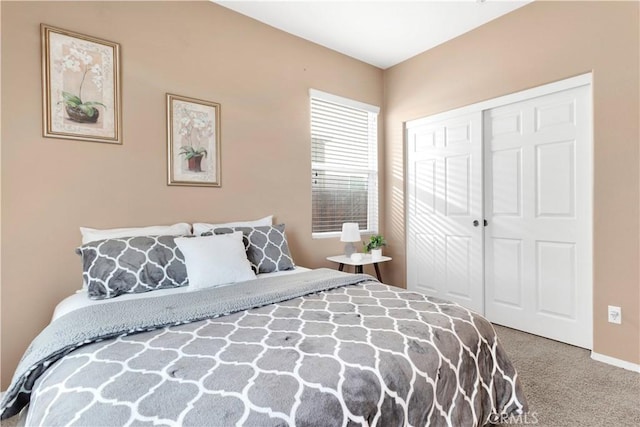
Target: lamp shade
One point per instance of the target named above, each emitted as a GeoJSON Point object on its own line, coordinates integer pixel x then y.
{"type": "Point", "coordinates": [350, 232]}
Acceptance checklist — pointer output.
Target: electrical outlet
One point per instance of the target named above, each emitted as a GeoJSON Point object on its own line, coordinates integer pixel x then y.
{"type": "Point", "coordinates": [615, 314]}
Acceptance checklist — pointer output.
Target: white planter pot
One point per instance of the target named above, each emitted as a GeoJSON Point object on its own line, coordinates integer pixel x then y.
{"type": "Point", "coordinates": [376, 254]}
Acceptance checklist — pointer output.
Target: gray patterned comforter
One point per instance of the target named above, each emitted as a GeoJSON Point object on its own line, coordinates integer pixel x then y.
{"type": "Point", "coordinates": [318, 348]}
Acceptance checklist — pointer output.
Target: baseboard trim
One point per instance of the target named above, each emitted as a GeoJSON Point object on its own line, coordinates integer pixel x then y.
{"type": "Point", "coordinates": [615, 362]}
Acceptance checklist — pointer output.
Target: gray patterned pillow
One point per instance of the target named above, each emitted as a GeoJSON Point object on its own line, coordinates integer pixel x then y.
{"type": "Point", "coordinates": [267, 248]}
{"type": "Point", "coordinates": [114, 267]}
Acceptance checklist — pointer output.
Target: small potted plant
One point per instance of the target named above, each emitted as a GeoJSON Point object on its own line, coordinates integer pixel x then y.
{"type": "Point", "coordinates": [78, 111]}
{"type": "Point", "coordinates": [193, 156]}
{"type": "Point", "coordinates": [376, 242]}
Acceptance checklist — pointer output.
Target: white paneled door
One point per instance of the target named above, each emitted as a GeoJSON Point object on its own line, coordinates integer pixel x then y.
{"type": "Point", "coordinates": [445, 198]}
{"type": "Point", "coordinates": [499, 209]}
{"type": "Point", "coordinates": [538, 202]}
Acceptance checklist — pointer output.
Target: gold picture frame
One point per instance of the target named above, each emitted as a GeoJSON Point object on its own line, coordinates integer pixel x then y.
{"type": "Point", "coordinates": [80, 87]}
{"type": "Point", "coordinates": [193, 142]}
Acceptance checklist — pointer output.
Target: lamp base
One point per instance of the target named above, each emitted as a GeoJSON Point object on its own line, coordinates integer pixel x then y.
{"type": "Point", "coordinates": [349, 249]}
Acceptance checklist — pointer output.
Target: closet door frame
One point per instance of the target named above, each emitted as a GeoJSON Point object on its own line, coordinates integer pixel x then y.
{"type": "Point", "coordinates": [546, 89]}
{"type": "Point", "coordinates": [481, 107]}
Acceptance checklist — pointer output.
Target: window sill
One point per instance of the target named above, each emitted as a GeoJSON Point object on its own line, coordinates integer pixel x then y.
{"type": "Point", "coordinates": [337, 234]}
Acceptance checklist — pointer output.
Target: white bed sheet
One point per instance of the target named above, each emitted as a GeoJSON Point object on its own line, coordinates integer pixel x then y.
{"type": "Point", "coordinates": [81, 299]}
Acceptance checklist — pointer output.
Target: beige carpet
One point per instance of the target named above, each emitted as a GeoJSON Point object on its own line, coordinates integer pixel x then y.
{"type": "Point", "coordinates": [565, 387]}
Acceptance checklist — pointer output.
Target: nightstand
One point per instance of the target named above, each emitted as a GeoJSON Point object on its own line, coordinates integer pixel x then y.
{"type": "Point", "coordinates": [343, 260]}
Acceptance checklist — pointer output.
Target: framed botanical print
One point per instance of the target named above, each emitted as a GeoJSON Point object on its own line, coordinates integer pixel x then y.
{"type": "Point", "coordinates": [81, 87]}
{"type": "Point", "coordinates": [193, 141]}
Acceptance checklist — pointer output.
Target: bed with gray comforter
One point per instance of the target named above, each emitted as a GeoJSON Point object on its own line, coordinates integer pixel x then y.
{"type": "Point", "coordinates": [315, 348]}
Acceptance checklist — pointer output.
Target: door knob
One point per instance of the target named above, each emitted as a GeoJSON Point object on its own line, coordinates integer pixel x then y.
{"type": "Point", "coordinates": [476, 223]}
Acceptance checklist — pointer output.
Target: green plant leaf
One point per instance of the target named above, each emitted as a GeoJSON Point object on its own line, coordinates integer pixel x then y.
{"type": "Point", "coordinates": [92, 103]}
{"type": "Point", "coordinates": [68, 103]}
{"type": "Point", "coordinates": [71, 99]}
{"type": "Point", "coordinates": [186, 150]}
{"type": "Point", "coordinates": [190, 152]}
{"type": "Point", "coordinates": [375, 242]}
{"type": "Point", "coordinates": [87, 109]}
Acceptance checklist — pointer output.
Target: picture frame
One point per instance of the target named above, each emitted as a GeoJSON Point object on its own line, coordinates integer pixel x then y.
{"type": "Point", "coordinates": [193, 141]}
{"type": "Point", "coordinates": [81, 87]}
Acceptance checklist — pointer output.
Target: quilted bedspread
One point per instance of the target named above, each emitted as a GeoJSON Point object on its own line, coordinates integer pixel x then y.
{"type": "Point", "coordinates": [350, 351]}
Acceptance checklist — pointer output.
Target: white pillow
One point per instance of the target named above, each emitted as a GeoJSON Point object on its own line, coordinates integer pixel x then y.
{"type": "Point", "coordinates": [93, 234]}
{"type": "Point", "coordinates": [215, 260]}
{"type": "Point", "coordinates": [201, 227]}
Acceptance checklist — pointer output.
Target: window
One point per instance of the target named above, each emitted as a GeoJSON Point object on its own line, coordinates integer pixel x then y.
{"type": "Point", "coordinates": [344, 164]}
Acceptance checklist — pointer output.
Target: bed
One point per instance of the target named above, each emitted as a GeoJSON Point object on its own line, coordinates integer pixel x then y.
{"type": "Point", "coordinates": [296, 347]}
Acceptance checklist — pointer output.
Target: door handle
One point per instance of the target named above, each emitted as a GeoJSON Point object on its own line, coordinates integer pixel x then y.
{"type": "Point", "coordinates": [486, 222]}
{"type": "Point", "coordinates": [476, 223]}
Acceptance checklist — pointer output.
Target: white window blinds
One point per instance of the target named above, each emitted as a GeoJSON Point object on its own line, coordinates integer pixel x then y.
{"type": "Point", "coordinates": [344, 162]}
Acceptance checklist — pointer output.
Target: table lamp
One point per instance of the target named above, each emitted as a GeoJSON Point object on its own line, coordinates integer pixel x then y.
{"type": "Point", "coordinates": [350, 234]}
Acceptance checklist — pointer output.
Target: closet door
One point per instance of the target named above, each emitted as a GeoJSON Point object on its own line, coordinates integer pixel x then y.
{"type": "Point", "coordinates": [444, 212]}
{"type": "Point", "coordinates": [538, 202]}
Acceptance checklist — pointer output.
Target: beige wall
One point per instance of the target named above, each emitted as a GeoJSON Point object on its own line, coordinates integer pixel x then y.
{"type": "Point", "coordinates": [534, 45]}
{"type": "Point", "coordinates": [260, 75]}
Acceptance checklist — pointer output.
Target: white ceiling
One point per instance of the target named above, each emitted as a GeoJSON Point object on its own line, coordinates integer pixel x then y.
{"type": "Point", "coordinates": [381, 33]}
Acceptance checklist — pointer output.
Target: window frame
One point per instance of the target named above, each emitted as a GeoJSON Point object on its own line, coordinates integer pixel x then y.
{"type": "Point", "coordinates": [372, 170]}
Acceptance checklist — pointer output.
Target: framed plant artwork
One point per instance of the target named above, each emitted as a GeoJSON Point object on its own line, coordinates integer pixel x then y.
{"type": "Point", "coordinates": [193, 141]}
{"type": "Point", "coordinates": [81, 87]}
